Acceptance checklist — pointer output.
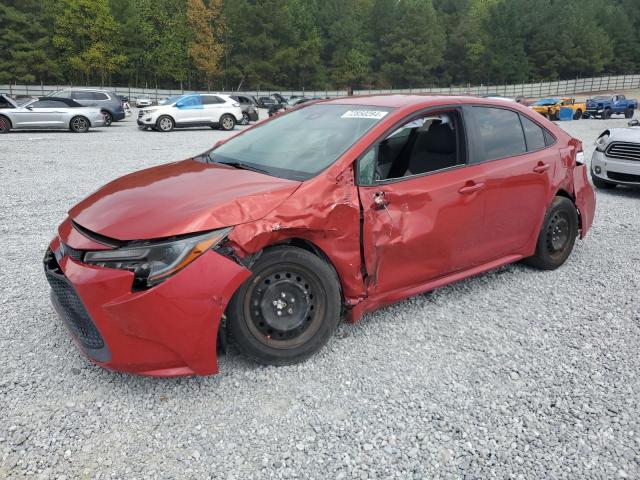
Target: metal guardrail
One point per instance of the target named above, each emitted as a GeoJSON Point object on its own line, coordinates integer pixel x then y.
{"type": "Point", "coordinates": [540, 89]}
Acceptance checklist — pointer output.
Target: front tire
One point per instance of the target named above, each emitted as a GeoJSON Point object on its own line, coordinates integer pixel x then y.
{"type": "Point", "coordinates": [165, 124]}
{"type": "Point", "coordinates": [557, 235]}
{"type": "Point", "coordinates": [287, 310]}
{"type": "Point", "coordinates": [606, 114]}
{"type": "Point", "coordinates": [5, 124]}
{"type": "Point", "coordinates": [577, 115]}
{"type": "Point", "coordinates": [227, 122]}
{"type": "Point", "coordinates": [79, 125]}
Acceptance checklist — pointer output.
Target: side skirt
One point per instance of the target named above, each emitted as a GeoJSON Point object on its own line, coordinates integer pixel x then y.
{"type": "Point", "coordinates": [387, 298]}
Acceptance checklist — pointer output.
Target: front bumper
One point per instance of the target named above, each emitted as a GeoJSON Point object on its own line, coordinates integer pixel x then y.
{"type": "Point", "coordinates": [615, 170]}
{"type": "Point", "coordinates": [168, 330]}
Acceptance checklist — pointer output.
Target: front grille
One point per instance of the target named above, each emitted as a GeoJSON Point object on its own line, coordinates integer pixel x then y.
{"type": "Point", "coordinates": [624, 151]}
{"type": "Point", "coordinates": [71, 308]}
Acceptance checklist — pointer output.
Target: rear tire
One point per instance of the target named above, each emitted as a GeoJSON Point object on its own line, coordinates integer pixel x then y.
{"type": "Point", "coordinates": [108, 118]}
{"type": "Point", "coordinates": [227, 122]}
{"type": "Point", "coordinates": [245, 119]}
{"type": "Point", "coordinates": [287, 310]}
{"type": "Point", "coordinates": [628, 113]}
{"type": "Point", "coordinates": [79, 125]}
{"type": "Point", "coordinates": [557, 235]}
{"type": "Point", "coordinates": [5, 124]}
{"type": "Point", "coordinates": [165, 123]}
{"type": "Point", "coordinates": [601, 184]}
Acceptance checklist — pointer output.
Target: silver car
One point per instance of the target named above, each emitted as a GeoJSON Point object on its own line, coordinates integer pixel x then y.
{"type": "Point", "coordinates": [616, 159]}
{"type": "Point", "coordinates": [48, 113]}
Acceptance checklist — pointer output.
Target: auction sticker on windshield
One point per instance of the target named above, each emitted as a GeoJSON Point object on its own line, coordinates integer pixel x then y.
{"type": "Point", "coordinates": [374, 114]}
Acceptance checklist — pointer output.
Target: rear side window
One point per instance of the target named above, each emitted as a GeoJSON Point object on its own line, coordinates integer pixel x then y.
{"type": "Point", "coordinates": [499, 133]}
{"type": "Point", "coordinates": [533, 134]}
{"type": "Point", "coordinates": [211, 100]}
{"type": "Point", "coordinates": [48, 104]}
{"type": "Point", "coordinates": [83, 95]}
{"type": "Point", "coordinates": [100, 96]}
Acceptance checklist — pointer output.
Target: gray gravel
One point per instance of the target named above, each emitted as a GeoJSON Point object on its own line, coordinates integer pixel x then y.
{"type": "Point", "coordinates": [512, 374]}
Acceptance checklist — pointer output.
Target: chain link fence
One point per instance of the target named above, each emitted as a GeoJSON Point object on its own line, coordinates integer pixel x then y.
{"type": "Point", "coordinates": [541, 89]}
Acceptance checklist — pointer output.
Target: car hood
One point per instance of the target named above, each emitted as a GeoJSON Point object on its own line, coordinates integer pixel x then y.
{"type": "Point", "coordinates": [180, 198]}
{"type": "Point", "coordinates": [628, 134]}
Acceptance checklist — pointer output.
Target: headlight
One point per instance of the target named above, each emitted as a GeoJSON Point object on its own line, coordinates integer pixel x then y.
{"type": "Point", "coordinates": [154, 262]}
{"type": "Point", "coordinates": [601, 142]}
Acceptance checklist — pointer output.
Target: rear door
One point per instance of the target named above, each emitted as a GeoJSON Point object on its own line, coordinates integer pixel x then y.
{"type": "Point", "coordinates": [518, 162]}
{"type": "Point", "coordinates": [213, 108]}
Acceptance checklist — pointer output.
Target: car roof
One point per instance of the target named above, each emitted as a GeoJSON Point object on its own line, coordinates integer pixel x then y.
{"type": "Point", "coordinates": [407, 100]}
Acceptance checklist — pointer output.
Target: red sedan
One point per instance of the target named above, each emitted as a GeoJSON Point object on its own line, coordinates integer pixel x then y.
{"type": "Point", "coordinates": [332, 209]}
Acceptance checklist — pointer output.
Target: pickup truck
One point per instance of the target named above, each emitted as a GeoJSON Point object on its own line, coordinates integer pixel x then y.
{"type": "Point", "coordinates": [607, 105]}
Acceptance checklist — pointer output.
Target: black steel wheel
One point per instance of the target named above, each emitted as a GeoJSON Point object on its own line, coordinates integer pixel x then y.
{"type": "Point", "coordinates": [288, 309]}
{"type": "Point", "coordinates": [557, 235]}
{"type": "Point", "coordinates": [79, 125]}
{"type": "Point", "coordinates": [108, 118]}
{"type": "Point", "coordinates": [5, 124]}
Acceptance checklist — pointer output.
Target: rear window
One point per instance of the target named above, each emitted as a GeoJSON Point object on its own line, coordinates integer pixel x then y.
{"type": "Point", "coordinates": [533, 134]}
{"type": "Point", "coordinates": [500, 134]}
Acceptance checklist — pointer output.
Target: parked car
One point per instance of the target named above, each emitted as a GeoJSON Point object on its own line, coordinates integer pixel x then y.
{"type": "Point", "coordinates": [291, 103]}
{"type": "Point", "coordinates": [110, 104]}
{"type": "Point", "coordinates": [271, 100]}
{"type": "Point", "coordinates": [604, 106]}
{"type": "Point", "coordinates": [191, 110]}
{"type": "Point", "coordinates": [616, 159]}
{"type": "Point", "coordinates": [526, 101]}
{"type": "Point", "coordinates": [143, 101]}
{"type": "Point", "coordinates": [248, 107]}
{"type": "Point", "coordinates": [48, 113]}
{"type": "Point", "coordinates": [550, 107]}
{"type": "Point", "coordinates": [340, 206]}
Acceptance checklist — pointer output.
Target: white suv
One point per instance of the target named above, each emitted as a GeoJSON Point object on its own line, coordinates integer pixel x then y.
{"type": "Point", "coordinates": [191, 110]}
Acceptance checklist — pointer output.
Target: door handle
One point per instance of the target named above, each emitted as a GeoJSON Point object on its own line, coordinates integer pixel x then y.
{"type": "Point", "coordinates": [541, 167]}
{"type": "Point", "coordinates": [379, 202]}
{"type": "Point", "coordinates": [471, 187]}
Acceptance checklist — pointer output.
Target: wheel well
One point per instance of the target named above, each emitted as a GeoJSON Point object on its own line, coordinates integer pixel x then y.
{"type": "Point", "coordinates": [565, 194]}
{"type": "Point", "coordinates": [8, 120]}
{"type": "Point", "coordinates": [314, 249]}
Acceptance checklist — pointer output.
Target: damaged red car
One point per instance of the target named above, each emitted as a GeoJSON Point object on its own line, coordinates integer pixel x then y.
{"type": "Point", "coordinates": [326, 212]}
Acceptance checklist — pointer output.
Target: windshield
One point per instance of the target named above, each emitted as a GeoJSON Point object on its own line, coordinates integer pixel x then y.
{"type": "Point", "coordinates": [546, 102]}
{"type": "Point", "coordinates": [299, 144]}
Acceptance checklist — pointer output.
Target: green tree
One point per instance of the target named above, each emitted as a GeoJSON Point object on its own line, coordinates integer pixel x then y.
{"type": "Point", "coordinates": [411, 44]}
{"type": "Point", "coordinates": [87, 37]}
{"type": "Point", "coordinates": [25, 47]}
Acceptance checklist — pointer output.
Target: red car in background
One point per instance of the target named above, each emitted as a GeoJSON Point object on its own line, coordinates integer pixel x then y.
{"type": "Point", "coordinates": [331, 209]}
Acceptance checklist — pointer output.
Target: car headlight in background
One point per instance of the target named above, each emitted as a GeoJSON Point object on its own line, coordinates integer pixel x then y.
{"type": "Point", "coordinates": [601, 142]}
{"type": "Point", "coordinates": [154, 262]}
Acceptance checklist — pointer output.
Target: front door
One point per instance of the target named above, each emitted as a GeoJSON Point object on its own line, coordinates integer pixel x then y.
{"type": "Point", "coordinates": [422, 205]}
{"type": "Point", "coordinates": [40, 114]}
{"type": "Point", "coordinates": [188, 110]}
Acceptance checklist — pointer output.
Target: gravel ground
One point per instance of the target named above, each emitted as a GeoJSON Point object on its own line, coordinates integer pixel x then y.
{"type": "Point", "coordinates": [512, 374]}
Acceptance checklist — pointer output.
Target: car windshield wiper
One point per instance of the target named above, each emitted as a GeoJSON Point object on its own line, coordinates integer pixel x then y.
{"type": "Point", "coordinates": [243, 166]}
